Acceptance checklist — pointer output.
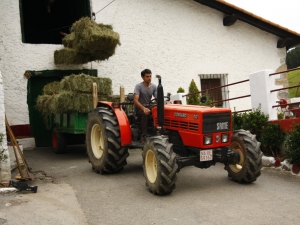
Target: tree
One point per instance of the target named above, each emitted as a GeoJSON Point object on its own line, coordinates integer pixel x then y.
{"type": "Point", "coordinates": [180, 90]}
{"type": "Point", "coordinates": [293, 58]}
{"type": "Point", "coordinates": [195, 98]}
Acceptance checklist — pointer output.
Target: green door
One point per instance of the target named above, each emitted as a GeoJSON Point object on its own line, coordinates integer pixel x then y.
{"type": "Point", "coordinates": [36, 82]}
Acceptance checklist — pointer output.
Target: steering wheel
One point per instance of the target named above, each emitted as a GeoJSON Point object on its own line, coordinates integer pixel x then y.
{"type": "Point", "coordinates": [151, 103]}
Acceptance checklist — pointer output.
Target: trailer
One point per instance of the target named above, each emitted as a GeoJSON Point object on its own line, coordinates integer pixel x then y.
{"type": "Point", "coordinates": [67, 129]}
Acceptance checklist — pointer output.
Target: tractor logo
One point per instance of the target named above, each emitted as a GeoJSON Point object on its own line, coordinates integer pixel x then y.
{"type": "Point", "coordinates": [195, 116]}
{"type": "Point", "coordinates": [183, 115]}
{"type": "Point", "coordinates": [222, 126]}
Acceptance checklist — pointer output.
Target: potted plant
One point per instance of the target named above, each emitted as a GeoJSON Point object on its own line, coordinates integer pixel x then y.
{"type": "Point", "coordinates": [280, 116]}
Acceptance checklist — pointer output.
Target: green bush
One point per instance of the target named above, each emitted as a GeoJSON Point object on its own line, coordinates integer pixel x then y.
{"type": "Point", "coordinates": [254, 121]}
{"type": "Point", "coordinates": [180, 90]}
{"type": "Point", "coordinates": [2, 156]}
{"type": "Point", "coordinates": [195, 98]}
{"type": "Point", "coordinates": [292, 145]}
{"type": "Point", "coordinates": [272, 138]}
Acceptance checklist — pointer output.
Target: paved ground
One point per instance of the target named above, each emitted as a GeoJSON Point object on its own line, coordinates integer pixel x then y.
{"type": "Point", "coordinates": [77, 195]}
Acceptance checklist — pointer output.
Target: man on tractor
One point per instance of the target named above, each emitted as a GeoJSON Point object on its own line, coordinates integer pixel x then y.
{"type": "Point", "coordinates": [143, 93]}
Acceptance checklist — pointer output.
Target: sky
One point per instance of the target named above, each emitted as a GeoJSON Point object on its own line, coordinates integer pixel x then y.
{"type": "Point", "coordinates": [286, 13]}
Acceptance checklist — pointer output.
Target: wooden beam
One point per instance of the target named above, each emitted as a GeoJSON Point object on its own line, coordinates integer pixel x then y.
{"type": "Point", "coordinates": [230, 19]}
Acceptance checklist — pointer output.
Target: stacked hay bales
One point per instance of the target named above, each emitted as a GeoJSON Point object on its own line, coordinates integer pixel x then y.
{"type": "Point", "coordinates": [88, 41]}
{"type": "Point", "coordinates": [72, 94]}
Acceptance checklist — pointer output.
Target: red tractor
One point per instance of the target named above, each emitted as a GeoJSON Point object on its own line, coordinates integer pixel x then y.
{"type": "Point", "coordinates": [179, 136]}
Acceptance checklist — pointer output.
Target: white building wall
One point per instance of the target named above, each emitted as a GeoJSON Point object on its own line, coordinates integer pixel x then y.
{"type": "Point", "coordinates": [5, 174]}
{"type": "Point", "coordinates": [177, 39]}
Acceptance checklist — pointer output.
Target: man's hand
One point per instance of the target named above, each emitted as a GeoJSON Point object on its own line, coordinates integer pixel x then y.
{"type": "Point", "coordinates": [147, 111]}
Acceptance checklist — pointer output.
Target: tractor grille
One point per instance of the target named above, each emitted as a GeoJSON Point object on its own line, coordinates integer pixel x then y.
{"type": "Point", "coordinates": [216, 122]}
{"type": "Point", "coordinates": [181, 124]}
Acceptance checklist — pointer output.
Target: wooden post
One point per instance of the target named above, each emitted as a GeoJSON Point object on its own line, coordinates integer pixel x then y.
{"type": "Point", "coordinates": [95, 95]}
{"type": "Point", "coordinates": [122, 95]}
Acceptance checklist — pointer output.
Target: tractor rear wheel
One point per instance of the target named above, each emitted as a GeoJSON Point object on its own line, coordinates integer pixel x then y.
{"type": "Point", "coordinates": [58, 142]}
{"type": "Point", "coordinates": [248, 168]}
{"type": "Point", "coordinates": [103, 141]}
{"type": "Point", "coordinates": [159, 164]}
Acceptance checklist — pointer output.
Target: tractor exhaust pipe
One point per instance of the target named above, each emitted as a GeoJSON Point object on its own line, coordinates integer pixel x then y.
{"type": "Point", "coordinates": [160, 102]}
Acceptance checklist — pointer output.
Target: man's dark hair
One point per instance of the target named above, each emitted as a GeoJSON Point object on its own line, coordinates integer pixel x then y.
{"type": "Point", "coordinates": [145, 71]}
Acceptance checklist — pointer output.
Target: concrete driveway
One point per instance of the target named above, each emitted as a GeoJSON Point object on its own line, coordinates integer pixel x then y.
{"type": "Point", "coordinates": [78, 195]}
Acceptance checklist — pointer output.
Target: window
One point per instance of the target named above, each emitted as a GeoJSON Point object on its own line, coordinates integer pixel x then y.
{"type": "Point", "coordinates": [208, 81]}
{"type": "Point", "coordinates": [43, 20]}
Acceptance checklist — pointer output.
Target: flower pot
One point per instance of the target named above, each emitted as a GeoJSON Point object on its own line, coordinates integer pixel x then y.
{"type": "Point", "coordinates": [296, 168]}
{"type": "Point", "coordinates": [277, 163]}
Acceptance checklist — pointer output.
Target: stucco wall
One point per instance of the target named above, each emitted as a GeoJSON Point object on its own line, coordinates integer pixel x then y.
{"type": "Point", "coordinates": [177, 39]}
{"type": "Point", "coordinates": [5, 173]}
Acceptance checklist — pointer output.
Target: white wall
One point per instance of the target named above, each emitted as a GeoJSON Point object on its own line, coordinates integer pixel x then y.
{"type": "Point", "coordinates": [5, 174]}
{"type": "Point", "coordinates": [177, 39]}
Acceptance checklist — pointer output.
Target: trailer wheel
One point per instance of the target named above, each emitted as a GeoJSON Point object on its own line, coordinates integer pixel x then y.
{"type": "Point", "coordinates": [159, 164]}
{"type": "Point", "coordinates": [58, 142]}
{"type": "Point", "coordinates": [247, 170]}
{"type": "Point", "coordinates": [103, 142]}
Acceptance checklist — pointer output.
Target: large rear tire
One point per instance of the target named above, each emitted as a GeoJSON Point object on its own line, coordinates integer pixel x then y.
{"type": "Point", "coordinates": [159, 164]}
{"type": "Point", "coordinates": [248, 169]}
{"type": "Point", "coordinates": [103, 141]}
{"type": "Point", "coordinates": [59, 143]}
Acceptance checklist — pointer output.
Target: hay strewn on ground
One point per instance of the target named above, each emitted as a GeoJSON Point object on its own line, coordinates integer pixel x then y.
{"type": "Point", "coordinates": [88, 41]}
{"type": "Point", "coordinates": [72, 94]}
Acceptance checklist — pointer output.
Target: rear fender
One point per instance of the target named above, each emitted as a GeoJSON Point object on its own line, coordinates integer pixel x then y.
{"type": "Point", "coordinates": [124, 125]}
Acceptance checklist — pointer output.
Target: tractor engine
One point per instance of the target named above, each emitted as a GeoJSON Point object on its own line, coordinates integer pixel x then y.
{"type": "Point", "coordinates": [196, 127]}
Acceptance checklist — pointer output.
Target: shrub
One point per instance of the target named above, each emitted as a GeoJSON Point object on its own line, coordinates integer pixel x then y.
{"type": "Point", "coordinates": [195, 98]}
{"type": "Point", "coordinates": [271, 139]}
{"type": "Point", "coordinates": [237, 120]}
{"type": "Point", "coordinates": [180, 90]}
{"type": "Point", "coordinates": [292, 145]}
{"type": "Point", "coordinates": [254, 121]}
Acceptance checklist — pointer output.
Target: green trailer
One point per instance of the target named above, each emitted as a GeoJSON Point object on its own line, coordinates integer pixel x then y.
{"type": "Point", "coordinates": [67, 129]}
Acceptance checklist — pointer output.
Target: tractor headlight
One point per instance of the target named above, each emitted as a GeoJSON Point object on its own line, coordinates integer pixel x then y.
{"type": "Point", "coordinates": [207, 140]}
{"type": "Point", "coordinates": [224, 138]}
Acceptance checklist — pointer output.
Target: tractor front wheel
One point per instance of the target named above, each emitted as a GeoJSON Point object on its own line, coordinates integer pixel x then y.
{"type": "Point", "coordinates": [159, 164]}
{"type": "Point", "coordinates": [248, 168]}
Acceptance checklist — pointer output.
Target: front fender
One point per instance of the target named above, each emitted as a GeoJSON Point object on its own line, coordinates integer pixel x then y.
{"type": "Point", "coordinates": [124, 125]}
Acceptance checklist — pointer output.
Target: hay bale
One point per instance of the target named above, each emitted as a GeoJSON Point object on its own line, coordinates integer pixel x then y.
{"type": "Point", "coordinates": [68, 102]}
{"type": "Point", "coordinates": [44, 104]}
{"type": "Point", "coordinates": [88, 41]}
{"type": "Point", "coordinates": [83, 83]}
{"type": "Point", "coordinates": [52, 88]}
{"type": "Point", "coordinates": [68, 40]}
{"type": "Point", "coordinates": [91, 37]}
{"type": "Point", "coordinates": [70, 56]}
{"type": "Point", "coordinates": [72, 94]}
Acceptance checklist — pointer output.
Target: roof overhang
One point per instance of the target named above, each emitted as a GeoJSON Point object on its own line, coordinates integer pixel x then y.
{"type": "Point", "coordinates": [287, 38]}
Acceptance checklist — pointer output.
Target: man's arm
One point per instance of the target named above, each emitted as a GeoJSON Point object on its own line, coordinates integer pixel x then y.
{"type": "Point", "coordinates": [139, 105]}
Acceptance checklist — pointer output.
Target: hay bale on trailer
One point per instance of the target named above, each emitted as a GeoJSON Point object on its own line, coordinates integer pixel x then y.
{"type": "Point", "coordinates": [83, 83]}
{"type": "Point", "coordinates": [52, 88]}
{"type": "Point", "coordinates": [72, 94]}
